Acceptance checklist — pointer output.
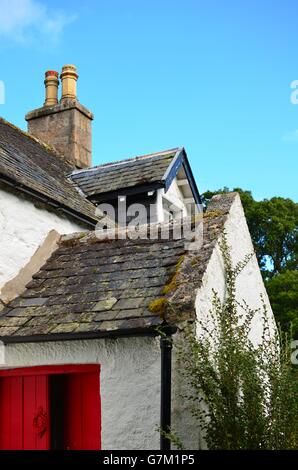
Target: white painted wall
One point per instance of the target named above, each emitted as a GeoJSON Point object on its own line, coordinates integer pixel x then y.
{"type": "Point", "coordinates": [23, 227]}
{"type": "Point", "coordinates": [130, 383]}
{"type": "Point", "coordinates": [249, 284]}
{"type": "Point", "coordinates": [173, 196]}
{"type": "Point", "coordinates": [130, 386]}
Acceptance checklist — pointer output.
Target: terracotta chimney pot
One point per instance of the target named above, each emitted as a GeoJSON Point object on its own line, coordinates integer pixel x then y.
{"type": "Point", "coordinates": [51, 83]}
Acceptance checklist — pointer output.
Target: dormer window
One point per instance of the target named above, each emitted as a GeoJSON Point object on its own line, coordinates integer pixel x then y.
{"type": "Point", "coordinates": [171, 211]}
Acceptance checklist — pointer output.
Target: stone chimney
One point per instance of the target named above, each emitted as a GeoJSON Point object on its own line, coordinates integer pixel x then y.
{"type": "Point", "coordinates": [65, 125]}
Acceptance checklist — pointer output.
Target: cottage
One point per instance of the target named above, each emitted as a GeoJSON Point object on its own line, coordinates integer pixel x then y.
{"type": "Point", "coordinates": [85, 365]}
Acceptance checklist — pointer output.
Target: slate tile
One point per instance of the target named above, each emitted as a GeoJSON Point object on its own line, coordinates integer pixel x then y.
{"type": "Point", "coordinates": [88, 327]}
{"type": "Point", "coordinates": [127, 304]}
{"type": "Point", "coordinates": [36, 321]}
{"type": "Point", "coordinates": [33, 302]}
{"type": "Point", "coordinates": [65, 328]}
{"type": "Point", "coordinates": [13, 321]}
{"type": "Point", "coordinates": [132, 313]}
{"type": "Point", "coordinates": [8, 330]}
{"type": "Point", "coordinates": [105, 315]}
{"type": "Point", "coordinates": [17, 312]}
{"type": "Point", "coordinates": [33, 330]}
{"type": "Point", "coordinates": [105, 304]}
{"type": "Point", "coordinates": [109, 325]}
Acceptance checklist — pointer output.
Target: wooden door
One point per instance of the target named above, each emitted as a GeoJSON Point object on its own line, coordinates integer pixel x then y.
{"type": "Point", "coordinates": [82, 412]}
{"type": "Point", "coordinates": [24, 408]}
{"type": "Point", "coordinates": [30, 418]}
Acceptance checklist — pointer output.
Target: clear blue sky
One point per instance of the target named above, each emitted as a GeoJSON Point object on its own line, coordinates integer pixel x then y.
{"type": "Point", "coordinates": [212, 76]}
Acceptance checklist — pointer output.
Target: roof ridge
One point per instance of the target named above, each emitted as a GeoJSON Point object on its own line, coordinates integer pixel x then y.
{"type": "Point", "coordinates": [222, 206]}
{"type": "Point", "coordinates": [126, 160]}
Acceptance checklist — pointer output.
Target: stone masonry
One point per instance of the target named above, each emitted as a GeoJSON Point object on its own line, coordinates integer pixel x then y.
{"type": "Point", "coordinates": [66, 127]}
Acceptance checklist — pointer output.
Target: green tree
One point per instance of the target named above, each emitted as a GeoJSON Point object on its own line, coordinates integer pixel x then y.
{"type": "Point", "coordinates": [273, 225]}
{"type": "Point", "coordinates": [283, 293]}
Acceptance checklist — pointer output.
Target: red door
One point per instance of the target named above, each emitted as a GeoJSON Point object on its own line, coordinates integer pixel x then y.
{"type": "Point", "coordinates": [82, 412]}
{"type": "Point", "coordinates": [24, 413]}
{"type": "Point", "coordinates": [28, 418]}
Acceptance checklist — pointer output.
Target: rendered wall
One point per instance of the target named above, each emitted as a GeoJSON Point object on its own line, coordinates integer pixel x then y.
{"type": "Point", "coordinates": [173, 196]}
{"type": "Point", "coordinates": [23, 227]}
{"type": "Point", "coordinates": [130, 383]}
{"type": "Point", "coordinates": [249, 284]}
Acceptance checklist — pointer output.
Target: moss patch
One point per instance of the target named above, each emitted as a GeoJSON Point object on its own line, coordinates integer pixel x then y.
{"type": "Point", "coordinates": [171, 286]}
{"type": "Point", "coordinates": [172, 283]}
{"type": "Point", "coordinates": [206, 215]}
{"type": "Point", "coordinates": [194, 262]}
{"type": "Point", "coordinates": [213, 214]}
{"type": "Point", "coordinates": [159, 306]}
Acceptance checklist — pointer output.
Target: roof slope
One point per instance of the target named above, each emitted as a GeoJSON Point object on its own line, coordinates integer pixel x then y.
{"type": "Point", "coordinates": [92, 286]}
{"type": "Point", "coordinates": [88, 286]}
{"type": "Point", "coordinates": [124, 174]}
{"type": "Point", "coordinates": [37, 169]}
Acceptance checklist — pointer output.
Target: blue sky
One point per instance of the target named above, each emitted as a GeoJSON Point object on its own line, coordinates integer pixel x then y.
{"type": "Point", "coordinates": [212, 76]}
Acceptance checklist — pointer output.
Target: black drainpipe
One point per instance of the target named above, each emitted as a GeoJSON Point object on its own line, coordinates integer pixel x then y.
{"type": "Point", "coordinates": [166, 388]}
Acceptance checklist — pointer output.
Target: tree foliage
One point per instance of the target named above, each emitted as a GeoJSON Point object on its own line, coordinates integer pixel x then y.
{"type": "Point", "coordinates": [273, 225]}
{"type": "Point", "coordinates": [283, 293]}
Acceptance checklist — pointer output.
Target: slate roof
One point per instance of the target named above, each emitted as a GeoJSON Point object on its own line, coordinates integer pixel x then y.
{"type": "Point", "coordinates": [37, 169]}
{"type": "Point", "coordinates": [92, 287]}
{"type": "Point", "coordinates": [137, 171]}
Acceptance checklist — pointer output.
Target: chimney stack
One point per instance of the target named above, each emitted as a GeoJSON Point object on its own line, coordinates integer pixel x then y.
{"type": "Point", "coordinates": [64, 125]}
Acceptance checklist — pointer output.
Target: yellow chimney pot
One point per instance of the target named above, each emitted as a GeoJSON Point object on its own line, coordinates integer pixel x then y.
{"type": "Point", "coordinates": [66, 124]}
{"type": "Point", "coordinates": [69, 78]}
{"type": "Point", "coordinates": [51, 83]}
